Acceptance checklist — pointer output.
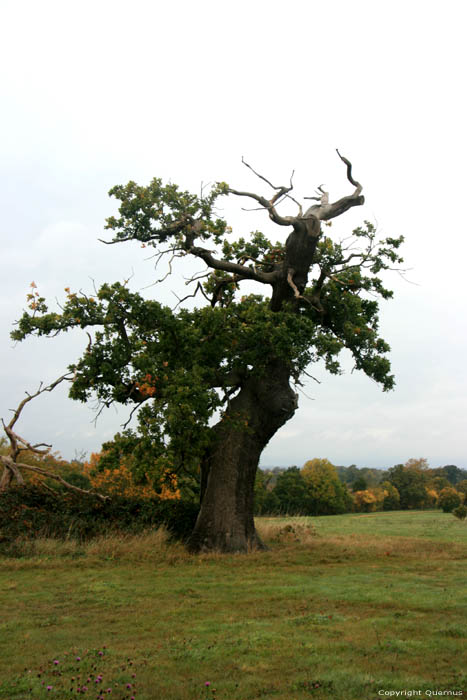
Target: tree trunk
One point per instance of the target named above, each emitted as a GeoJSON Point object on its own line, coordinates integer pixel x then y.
{"type": "Point", "coordinates": [225, 522]}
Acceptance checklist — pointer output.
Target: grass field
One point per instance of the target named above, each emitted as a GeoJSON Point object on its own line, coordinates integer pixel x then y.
{"type": "Point", "coordinates": [346, 607]}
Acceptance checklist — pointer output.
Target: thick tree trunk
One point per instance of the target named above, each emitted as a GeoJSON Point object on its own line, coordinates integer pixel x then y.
{"type": "Point", "coordinates": [225, 522]}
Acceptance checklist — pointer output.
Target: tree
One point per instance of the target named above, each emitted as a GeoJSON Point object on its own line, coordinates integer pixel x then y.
{"type": "Point", "coordinates": [460, 512]}
{"type": "Point", "coordinates": [327, 494]}
{"type": "Point", "coordinates": [292, 493]}
{"type": "Point", "coordinates": [449, 499]}
{"type": "Point", "coordinates": [233, 354]}
{"type": "Point", "coordinates": [452, 473]}
{"type": "Point", "coordinates": [410, 480]}
{"type": "Point", "coordinates": [360, 484]}
{"type": "Point", "coordinates": [391, 496]}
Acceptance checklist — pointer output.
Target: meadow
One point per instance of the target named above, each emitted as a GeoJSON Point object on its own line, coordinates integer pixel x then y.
{"type": "Point", "coordinates": [354, 607]}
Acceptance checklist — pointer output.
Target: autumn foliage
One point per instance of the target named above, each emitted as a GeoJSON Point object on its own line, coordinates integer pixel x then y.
{"type": "Point", "coordinates": [121, 481]}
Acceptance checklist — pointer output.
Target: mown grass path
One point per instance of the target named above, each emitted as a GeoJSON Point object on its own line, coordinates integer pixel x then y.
{"type": "Point", "coordinates": [359, 605]}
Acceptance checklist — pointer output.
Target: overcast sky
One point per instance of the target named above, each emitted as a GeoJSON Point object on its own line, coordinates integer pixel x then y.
{"type": "Point", "coordinates": [97, 93]}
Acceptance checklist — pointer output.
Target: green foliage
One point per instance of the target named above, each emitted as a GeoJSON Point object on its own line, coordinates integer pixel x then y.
{"type": "Point", "coordinates": [266, 500]}
{"type": "Point", "coordinates": [180, 366]}
{"type": "Point", "coordinates": [460, 512]}
{"type": "Point", "coordinates": [453, 474]}
{"type": "Point", "coordinates": [310, 491]}
{"type": "Point", "coordinates": [392, 499]}
{"type": "Point", "coordinates": [360, 484]}
{"type": "Point", "coordinates": [410, 481]}
{"type": "Point", "coordinates": [449, 499]}
{"type": "Point", "coordinates": [30, 511]}
{"type": "Point", "coordinates": [348, 475]}
{"type": "Point", "coordinates": [292, 493]}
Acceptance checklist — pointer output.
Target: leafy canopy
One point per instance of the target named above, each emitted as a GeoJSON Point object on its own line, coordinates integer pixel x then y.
{"type": "Point", "coordinates": [180, 365]}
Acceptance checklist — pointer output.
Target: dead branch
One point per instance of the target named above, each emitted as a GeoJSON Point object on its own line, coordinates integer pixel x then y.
{"type": "Point", "coordinates": [326, 210]}
{"type": "Point", "coordinates": [18, 444]}
{"type": "Point", "coordinates": [199, 288]}
{"type": "Point", "coordinates": [10, 464]}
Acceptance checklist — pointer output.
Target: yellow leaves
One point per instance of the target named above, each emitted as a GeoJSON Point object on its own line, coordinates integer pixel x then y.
{"type": "Point", "coordinates": [67, 290]}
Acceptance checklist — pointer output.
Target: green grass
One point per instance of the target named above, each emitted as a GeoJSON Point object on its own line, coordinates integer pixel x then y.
{"type": "Point", "coordinates": [340, 607]}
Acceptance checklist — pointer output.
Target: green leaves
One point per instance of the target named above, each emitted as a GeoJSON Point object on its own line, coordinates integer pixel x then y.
{"type": "Point", "coordinates": [159, 212]}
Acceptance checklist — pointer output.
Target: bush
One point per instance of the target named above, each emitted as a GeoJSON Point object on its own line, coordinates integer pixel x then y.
{"type": "Point", "coordinates": [448, 500]}
{"type": "Point", "coordinates": [460, 512]}
{"type": "Point", "coordinates": [30, 511]}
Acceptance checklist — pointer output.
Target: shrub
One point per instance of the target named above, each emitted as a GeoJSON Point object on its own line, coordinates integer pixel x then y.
{"type": "Point", "coordinates": [460, 512]}
{"type": "Point", "coordinates": [30, 511]}
{"type": "Point", "coordinates": [448, 500]}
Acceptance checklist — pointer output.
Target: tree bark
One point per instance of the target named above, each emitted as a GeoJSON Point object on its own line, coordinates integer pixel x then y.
{"type": "Point", "coordinates": [226, 520]}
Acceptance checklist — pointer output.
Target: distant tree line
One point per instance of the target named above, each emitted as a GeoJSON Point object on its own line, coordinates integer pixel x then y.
{"type": "Point", "coordinates": [320, 488]}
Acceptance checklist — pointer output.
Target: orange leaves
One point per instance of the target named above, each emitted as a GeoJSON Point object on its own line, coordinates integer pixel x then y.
{"type": "Point", "coordinates": [169, 489]}
{"type": "Point", "coordinates": [148, 386]}
{"type": "Point", "coordinates": [121, 482]}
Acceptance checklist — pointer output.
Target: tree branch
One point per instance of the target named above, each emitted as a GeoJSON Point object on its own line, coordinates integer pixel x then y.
{"type": "Point", "coordinates": [325, 210]}
{"type": "Point", "coordinates": [12, 468]}
{"type": "Point", "coordinates": [235, 268]}
{"type": "Point", "coordinates": [10, 464]}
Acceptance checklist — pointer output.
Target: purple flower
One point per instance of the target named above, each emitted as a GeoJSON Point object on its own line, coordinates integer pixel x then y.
{"type": "Point", "coordinates": [56, 662]}
{"type": "Point", "coordinates": [128, 685]}
{"type": "Point", "coordinates": [207, 684]}
{"type": "Point", "coordinates": [49, 687]}
{"type": "Point", "coordinates": [78, 658]}
{"type": "Point", "coordinates": [101, 653]}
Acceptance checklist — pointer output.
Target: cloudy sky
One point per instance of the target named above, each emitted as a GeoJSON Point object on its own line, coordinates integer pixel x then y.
{"type": "Point", "coordinates": [97, 93]}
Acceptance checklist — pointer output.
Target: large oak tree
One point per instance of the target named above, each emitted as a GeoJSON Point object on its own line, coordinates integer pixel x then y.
{"type": "Point", "coordinates": [213, 384]}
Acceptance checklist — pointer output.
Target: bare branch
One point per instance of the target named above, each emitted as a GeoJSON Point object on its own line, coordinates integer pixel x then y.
{"type": "Point", "coordinates": [162, 279]}
{"type": "Point", "coordinates": [349, 174]}
{"type": "Point", "coordinates": [311, 377]}
{"type": "Point", "coordinates": [326, 210]}
{"type": "Point", "coordinates": [12, 468]}
{"type": "Point", "coordinates": [127, 422]}
{"type": "Point", "coordinates": [29, 397]}
{"type": "Point", "coordinates": [199, 288]}
{"type": "Point", "coordinates": [290, 274]}
{"type": "Point", "coordinates": [274, 187]}
{"type": "Point", "coordinates": [10, 464]}
{"type": "Point", "coordinates": [196, 276]}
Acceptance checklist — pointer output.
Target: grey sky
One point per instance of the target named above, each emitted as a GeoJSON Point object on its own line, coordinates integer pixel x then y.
{"type": "Point", "coordinates": [95, 94]}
